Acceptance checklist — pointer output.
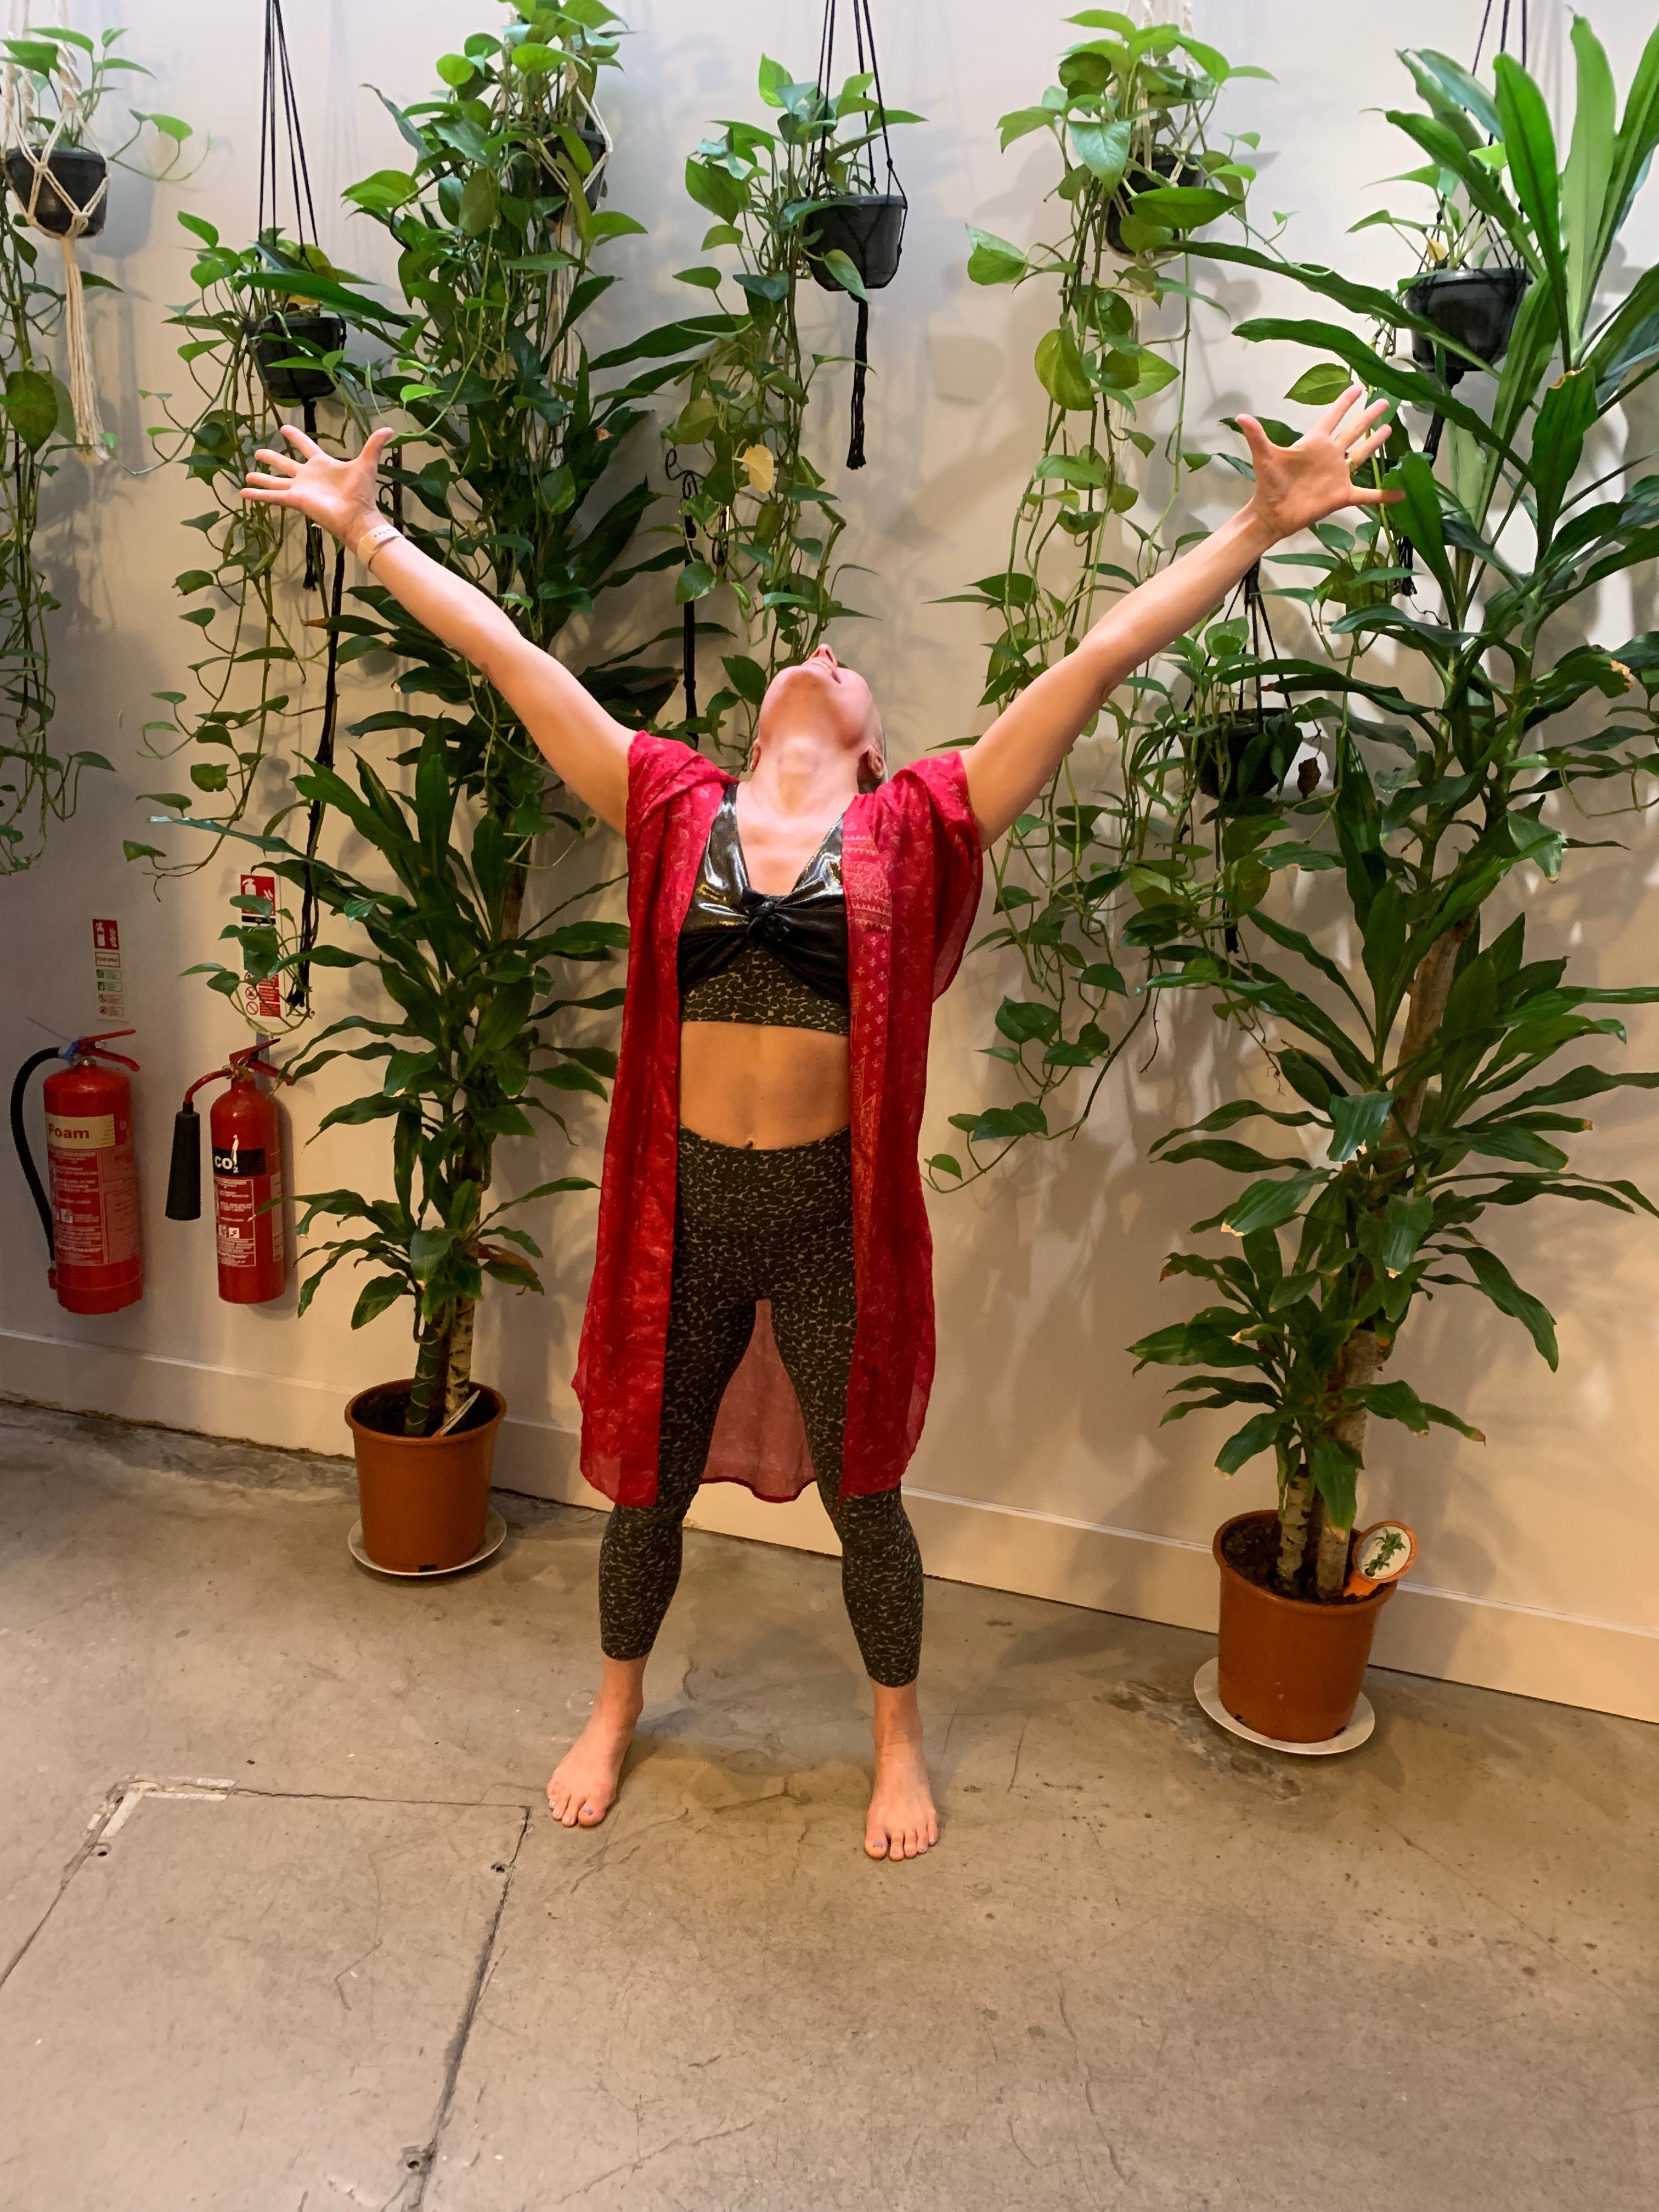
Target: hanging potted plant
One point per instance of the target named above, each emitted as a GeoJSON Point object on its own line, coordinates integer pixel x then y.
{"type": "Point", "coordinates": [53, 164]}
{"type": "Point", "coordinates": [43, 416]}
{"type": "Point", "coordinates": [1144, 93]}
{"type": "Point", "coordinates": [1427, 1072]}
{"type": "Point", "coordinates": [1240, 739]}
{"type": "Point", "coordinates": [756, 516]}
{"type": "Point", "coordinates": [1100, 870]}
{"type": "Point", "coordinates": [853, 229]}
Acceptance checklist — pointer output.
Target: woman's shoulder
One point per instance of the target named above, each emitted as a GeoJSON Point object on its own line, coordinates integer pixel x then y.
{"type": "Point", "coordinates": [661, 768]}
{"type": "Point", "coordinates": [936, 785]}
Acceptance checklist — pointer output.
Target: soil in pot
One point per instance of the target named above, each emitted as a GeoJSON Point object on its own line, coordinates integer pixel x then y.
{"type": "Point", "coordinates": [424, 1500]}
{"type": "Point", "coordinates": [280, 341]}
{"type": "Point", "coordinates": [868, 228]}
{"type": "Point", "coordinates": [1287, 1667]}
{"type": "Point", "coordinates": [1475, 307]}
{"type": "Point", "coordinates": [1257, 750]}
{"type": "Point", "coordinates": [79, 170]}
{"type": "Point", "coordinates": [1168, 167]}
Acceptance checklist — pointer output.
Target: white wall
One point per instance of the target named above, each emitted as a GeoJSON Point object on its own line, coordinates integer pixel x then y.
{"type": "Point", "coordinates": [1044, 1468]}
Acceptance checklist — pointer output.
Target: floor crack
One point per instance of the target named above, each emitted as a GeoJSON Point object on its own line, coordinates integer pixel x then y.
{"type": "Point", "coordinates": [458, 2042]}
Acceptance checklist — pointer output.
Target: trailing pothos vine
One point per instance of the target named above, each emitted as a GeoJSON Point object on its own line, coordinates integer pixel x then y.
{"type": "Point", "coordinates": [1091, 870]}
{"type": "Point", "coordinates": [68, 77]}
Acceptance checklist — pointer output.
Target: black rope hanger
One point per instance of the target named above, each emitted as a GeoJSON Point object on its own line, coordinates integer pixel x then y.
{"type": "Point", "coordinates": [282, 165]}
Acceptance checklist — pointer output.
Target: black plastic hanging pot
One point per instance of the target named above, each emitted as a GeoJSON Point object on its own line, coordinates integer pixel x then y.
{"type": "Point", "coordinates": [554, 182]}
{"type": "Point", "coordinates": [279, 341]}
{"type": "Point", "coordinates": [1475, 307]}
{"type": "Point", "coordinates": [1168, 167]}
{"type": "Point", "coordinates": [79, 170]}
{"type": "Point", "coordinates": [868, 228]}
{"type": "Point", "coordinates": [1245, 753]}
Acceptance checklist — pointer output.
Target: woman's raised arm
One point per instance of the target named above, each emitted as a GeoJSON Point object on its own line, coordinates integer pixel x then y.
{"type": "Point", "coordinates": [585, 747]}
{"type": "Point", "coordinates": [1295, 485]}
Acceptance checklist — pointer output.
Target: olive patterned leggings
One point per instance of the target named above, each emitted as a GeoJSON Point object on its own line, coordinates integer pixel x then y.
{"type": "Point", "coordinates": [773, 1224]}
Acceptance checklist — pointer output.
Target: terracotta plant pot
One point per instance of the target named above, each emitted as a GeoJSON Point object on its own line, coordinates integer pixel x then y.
{"type": "Point", "coordinates": [79, 170]}
{"type": "Point", "coordinates": [868, 228]}
{"type": "Point", "coordinates": [279, 345]}
{"type": "Point", "coordinates": [1286, 1666]}
{"type": "Point", "coordinates": [424, 1500]}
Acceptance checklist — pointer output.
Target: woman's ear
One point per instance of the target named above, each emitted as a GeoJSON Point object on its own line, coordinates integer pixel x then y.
{"type": "Point", "coordinates": [873, 770]}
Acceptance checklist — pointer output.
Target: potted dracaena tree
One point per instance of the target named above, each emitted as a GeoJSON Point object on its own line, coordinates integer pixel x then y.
{"type": "Point", "coordinates": [49, 103]}
{"type": "Point", "coordinates": [1085, 876]}
{"type": "Point", "coordinates": [1440, 1077]}
{"type": "Point", "coordinates": [502, 475]}
{"type": "Point", "coordinates": [756, 517]}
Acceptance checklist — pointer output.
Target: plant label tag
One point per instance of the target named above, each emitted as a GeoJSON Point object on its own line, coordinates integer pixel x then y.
{"type": "Point", "coordinates": [108, 979]}
{"type": "Point", "coordinates": [1382, 1554]}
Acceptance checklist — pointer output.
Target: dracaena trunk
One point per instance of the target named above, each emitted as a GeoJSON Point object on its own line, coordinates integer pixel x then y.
{"type": "Point", "coordinates": [458, 1377]}
{"type": "Point", "coordinates": [1295, 1498]}
{"type": "Point", "coordinates": [426, 1394]}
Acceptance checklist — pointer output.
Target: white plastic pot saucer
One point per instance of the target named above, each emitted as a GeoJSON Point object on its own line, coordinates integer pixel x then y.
{"type": "Point", "coordinates": [495, 1537]}
{"type": "Point", "coordinates": [1350, 1738]}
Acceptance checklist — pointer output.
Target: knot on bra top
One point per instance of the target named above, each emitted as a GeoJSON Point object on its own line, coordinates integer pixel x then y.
{"type": "Point", "coordinates": [804, 928]}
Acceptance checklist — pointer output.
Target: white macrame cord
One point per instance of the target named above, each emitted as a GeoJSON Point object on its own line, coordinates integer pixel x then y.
{"type": "Point", "coordinates": [18, 132]}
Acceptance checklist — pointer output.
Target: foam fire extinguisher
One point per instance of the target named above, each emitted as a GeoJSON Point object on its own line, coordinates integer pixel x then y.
{"type": "Point", "coordinates": [95, 1261]}
{"type": "Point", "coordinates": [244, 1128]}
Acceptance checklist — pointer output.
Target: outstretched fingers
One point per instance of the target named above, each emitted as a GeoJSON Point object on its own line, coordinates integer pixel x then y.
{"type": "Point", "coordinates": [1348, 432]}
{"type": "Point", "coordinates": [308, 447]}
{"type": "Point", "coordinates": [1333, 414]}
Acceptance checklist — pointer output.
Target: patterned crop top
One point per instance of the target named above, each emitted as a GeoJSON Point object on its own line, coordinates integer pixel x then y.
{"type": "Point", "coordinates": [777, 960]}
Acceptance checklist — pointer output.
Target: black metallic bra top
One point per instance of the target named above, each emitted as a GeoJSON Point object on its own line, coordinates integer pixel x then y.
{"type": "Point", "coordinates": [777, 959]}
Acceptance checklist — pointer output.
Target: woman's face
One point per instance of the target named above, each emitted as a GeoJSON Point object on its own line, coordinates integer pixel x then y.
{"type": "Point", "coordinates": [820, 696]}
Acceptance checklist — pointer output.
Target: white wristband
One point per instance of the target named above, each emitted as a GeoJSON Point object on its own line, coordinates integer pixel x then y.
{"type": "Point", "coordinates": [377, 535]}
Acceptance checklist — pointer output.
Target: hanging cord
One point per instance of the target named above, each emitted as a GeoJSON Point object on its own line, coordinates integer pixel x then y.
{"type": "Point", "coordinates": [861, 366]}
{"type": "Point", "coordinates": [299, 995]}
{"type": "Point", "coordinates": [279, 110]}
{"type": "Point", "coordinates": [688, 484]}
{"type": "Point", "coordinates": [1503, 32]}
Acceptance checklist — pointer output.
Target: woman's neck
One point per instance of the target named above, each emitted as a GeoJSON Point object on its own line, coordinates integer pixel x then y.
{"type": "Point", "coordinates": [799, 776]}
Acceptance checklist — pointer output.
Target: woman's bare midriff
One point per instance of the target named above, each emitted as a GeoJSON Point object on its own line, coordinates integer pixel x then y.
{"type": "Point", "coordinates": [747, 1084]}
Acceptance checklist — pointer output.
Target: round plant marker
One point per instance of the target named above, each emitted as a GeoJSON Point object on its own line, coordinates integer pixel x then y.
{"type": "Point", "coordinates": [1381, 1554]}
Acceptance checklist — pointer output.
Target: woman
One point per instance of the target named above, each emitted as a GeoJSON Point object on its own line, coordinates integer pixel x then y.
{"type": "Point", "coordinates": [761, 1217]}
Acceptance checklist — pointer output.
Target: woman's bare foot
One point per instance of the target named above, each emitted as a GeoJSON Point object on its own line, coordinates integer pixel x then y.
{"type": "Point", "coordinates": [583, 1785]}
{"type": "Point", "coordinates": [903, 1822]}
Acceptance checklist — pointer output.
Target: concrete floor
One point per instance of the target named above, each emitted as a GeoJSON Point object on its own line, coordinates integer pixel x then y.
{"type": "Point", "coordinates": [1146, 1967]}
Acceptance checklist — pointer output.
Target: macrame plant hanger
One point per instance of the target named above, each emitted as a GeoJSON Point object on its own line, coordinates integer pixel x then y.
{"type": "Point", "coordinates": [280, 134]}
{"type": "Point", "coordinates": [864, 41]}
{"type": "Point", "coordinates": [20, 129]}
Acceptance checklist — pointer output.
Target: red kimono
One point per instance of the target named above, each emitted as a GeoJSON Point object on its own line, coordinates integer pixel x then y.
{"type": "Point", "coordinates": [911, 869]}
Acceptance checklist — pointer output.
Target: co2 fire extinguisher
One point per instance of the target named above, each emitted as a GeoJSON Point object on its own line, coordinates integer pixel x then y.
{"type": "Point", "coordinates": [95, 1261]}
{"type": "Point", "coordinates": [244, 1128]}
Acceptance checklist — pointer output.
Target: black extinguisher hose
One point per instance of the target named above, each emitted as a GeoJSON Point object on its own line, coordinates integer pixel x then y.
{"type": "Point", "coordinates": [19, 1138]}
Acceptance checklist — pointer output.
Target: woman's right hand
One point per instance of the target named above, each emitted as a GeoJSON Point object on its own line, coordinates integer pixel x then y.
{"type": "Point", "coordinates": [339, 495]}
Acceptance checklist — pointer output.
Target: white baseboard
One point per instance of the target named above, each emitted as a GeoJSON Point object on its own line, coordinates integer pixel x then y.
{"type": "Point", "coordinates": [1449, 1634]}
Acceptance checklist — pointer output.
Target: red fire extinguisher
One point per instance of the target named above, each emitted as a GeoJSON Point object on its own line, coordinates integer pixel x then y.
{"type": "Point", "coordinates": [245, 1131]}
{"type": "Point", "coordinates": [96, 1263]}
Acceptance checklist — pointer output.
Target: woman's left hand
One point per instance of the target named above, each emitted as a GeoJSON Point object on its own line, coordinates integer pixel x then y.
{"type": "Point", "coordinates": [1296, 485]}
